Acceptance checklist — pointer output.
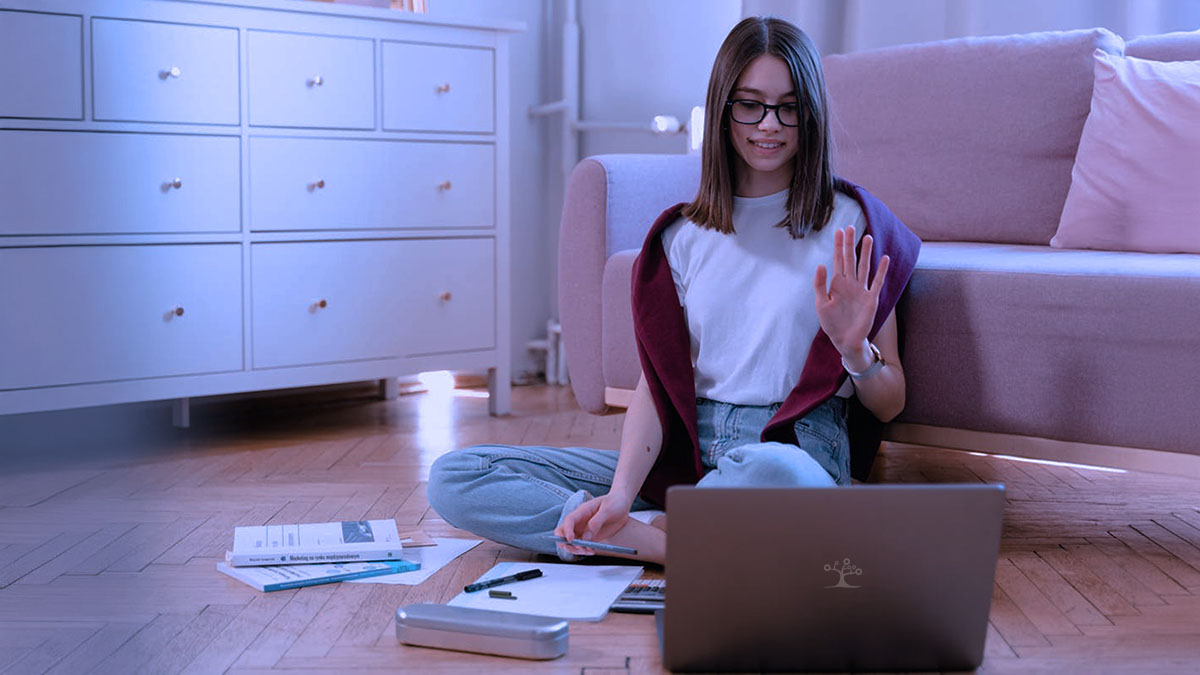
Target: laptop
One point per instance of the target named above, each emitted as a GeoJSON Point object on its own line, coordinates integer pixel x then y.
{"type": "Point", "coordinates": [869, 577]}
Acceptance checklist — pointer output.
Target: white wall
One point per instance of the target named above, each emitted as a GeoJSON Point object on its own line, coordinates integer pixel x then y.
{"type": "Point", "coordinates": [643, 58]}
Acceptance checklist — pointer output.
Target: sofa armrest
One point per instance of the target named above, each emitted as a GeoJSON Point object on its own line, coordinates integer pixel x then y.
{"type": "Point", "coordinates": [610, 203]}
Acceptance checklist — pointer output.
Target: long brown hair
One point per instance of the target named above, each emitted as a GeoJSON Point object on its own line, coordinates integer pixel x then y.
{"type": "Point", "coordinates": [810, 197]}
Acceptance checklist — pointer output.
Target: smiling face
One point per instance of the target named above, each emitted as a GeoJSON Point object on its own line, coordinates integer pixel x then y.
{"type": "Point", "coordinates": [765, 151]}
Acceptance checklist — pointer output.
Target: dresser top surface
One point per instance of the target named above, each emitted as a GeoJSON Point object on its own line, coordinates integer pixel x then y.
{"type": "Point", "coordinates": [335, 9]}
{"type": "Point", "coordinates": [366, 12]}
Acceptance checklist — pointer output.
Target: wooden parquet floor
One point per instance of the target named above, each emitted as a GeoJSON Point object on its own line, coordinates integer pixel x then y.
{"type": "Point", "coordinates": [109, 535]}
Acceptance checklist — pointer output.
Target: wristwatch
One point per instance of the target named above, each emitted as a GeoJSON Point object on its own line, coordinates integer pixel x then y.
{"type": "Point", "coordinates": [877, 364]}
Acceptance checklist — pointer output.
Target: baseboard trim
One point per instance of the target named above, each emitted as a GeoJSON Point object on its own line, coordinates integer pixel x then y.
{"type": "Point", "coordinates": [1135, 459]}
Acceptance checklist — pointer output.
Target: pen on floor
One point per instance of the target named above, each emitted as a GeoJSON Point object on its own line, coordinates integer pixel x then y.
{"type": "Point", "coordinates": [607, 548]}
{"type": "Point", "coordinates": [519, 576]}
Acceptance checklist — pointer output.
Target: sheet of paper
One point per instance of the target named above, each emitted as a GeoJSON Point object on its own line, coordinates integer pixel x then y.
{"type": "Point", "coordinates": [432, 559]}
{"type": "Point", "coordinates": [575, 592]}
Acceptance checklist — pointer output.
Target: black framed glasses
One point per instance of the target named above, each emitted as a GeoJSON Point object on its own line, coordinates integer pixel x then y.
{"type": "Point", "coordinates": [746, 111]}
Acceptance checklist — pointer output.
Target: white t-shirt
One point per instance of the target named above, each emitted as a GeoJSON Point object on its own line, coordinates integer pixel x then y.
{"type": "Point", "coordinates": [748, 297]}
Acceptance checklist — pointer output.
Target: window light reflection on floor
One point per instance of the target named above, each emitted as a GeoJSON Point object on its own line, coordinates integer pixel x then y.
{"type": "Point", "coordinates": [435, 413]}
{"type": "Point", "coordinates": [1072, 465]}
{"type": "Point", "coordinates": [440, 383]}
{"type": "Point", "coordinates": [436, 418]}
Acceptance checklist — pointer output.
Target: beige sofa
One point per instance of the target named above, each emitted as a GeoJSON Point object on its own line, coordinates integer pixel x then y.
{"type": "Point", "coordinates": [1009, 345]}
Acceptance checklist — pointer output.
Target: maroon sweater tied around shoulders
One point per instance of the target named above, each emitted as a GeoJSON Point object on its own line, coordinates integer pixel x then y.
{"type": "Point", "coordinates": [664, 349]}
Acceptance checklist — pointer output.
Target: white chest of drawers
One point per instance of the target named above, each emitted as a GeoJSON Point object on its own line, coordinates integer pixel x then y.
{"type": "Point", "coordinates": [203, 198]}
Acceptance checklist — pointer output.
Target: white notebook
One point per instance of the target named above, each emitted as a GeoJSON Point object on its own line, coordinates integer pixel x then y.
{"type": "Point", "coordinates": [575, 592]}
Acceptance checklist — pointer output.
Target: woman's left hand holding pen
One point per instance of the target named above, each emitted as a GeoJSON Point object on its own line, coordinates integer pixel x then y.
{"type": "Point", "coordinates": [596, 520]}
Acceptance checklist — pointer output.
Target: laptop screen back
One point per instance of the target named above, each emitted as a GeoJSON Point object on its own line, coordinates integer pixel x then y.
{"type": "Point", "coordinates": [860, 578]}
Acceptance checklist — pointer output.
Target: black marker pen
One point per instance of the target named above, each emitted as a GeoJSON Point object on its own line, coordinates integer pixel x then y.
{"type": "Point", "coordinates": [519, 576]}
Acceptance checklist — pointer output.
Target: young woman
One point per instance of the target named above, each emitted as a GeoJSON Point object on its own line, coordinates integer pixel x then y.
{"type": "Point", "coordinates": [756, 322]}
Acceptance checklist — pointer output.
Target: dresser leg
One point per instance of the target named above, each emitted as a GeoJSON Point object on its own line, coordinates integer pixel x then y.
{"type": "Point", "coordinates": [499, 391]}
{"type": "Point", "coordinates": [389, 388]}
{"type": "Point", "coordinates": [181, 413]}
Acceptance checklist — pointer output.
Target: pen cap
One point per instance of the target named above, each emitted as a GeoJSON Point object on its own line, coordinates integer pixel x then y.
{"type": "Point", "coordinates": [482, 630]}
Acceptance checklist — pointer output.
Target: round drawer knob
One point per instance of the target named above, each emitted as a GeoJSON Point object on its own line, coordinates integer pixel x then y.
{"type": "Point", "coordinates": [319, 304]}
{"type": "Point", "coordinates": [316, 81]}
{"type": "Point", "coordinates": [445, 296]}
{"type": "Point", "coordinates": [173, 71]}
{"type": "Point", "coordinates": [443, 88]}
{"type": "Point", "coordinates": [318, 185]}
{"type": "Point", "coordinates": [175, 311]}
{"type": "Point", "coordinates": [174, 183]}
{"type": "Point", "coordinates": [444, 185]}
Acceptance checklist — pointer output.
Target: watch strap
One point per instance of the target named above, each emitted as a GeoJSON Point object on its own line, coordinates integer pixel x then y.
{"type": "Point", "coordinates": [877, 364]}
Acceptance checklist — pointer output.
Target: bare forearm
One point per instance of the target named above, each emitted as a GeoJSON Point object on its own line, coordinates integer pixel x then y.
{"type": "Point", "coordinates": [641, 441]}
{"type": "Point", "coordinates": [882, 392]}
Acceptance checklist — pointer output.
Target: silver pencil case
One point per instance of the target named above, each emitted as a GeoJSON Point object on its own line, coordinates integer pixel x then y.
{"type": "Point", "coordinates": [482, 630]}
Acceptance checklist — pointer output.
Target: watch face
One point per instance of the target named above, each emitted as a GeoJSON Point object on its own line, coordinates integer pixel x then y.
{"type": "Point", "coordinates": [875, 354]}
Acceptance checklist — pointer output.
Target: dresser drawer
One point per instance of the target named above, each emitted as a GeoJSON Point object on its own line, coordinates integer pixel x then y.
{"type": "Point", "coordinates": [435, 88]}
{"type": "Point", "coordinates": [449, 296]}
{"type": "Point", "coordinates": [79, 314]}
{"type": "Point", "coordinates": [327, 302]}
{"type": "Point", "coordinates": [311, 81]}
{"type": "Point", "coordinates": [97, 183]}
{"type": "Point", "coordinates": [41, 65]}
{"type": "Point", "coordinates": [163, 72]}
{"type": "Point", "coordinates": [323, 184]}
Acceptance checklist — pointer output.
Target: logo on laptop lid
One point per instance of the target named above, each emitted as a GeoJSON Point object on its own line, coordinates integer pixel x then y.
{"type": "Point", "coordinates": [844, 569]}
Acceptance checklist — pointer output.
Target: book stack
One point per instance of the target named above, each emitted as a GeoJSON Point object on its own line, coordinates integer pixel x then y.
{"type": "Point", "coordinates": [278, 557]}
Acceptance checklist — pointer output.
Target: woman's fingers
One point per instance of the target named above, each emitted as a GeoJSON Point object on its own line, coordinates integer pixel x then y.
{"type": "Point", "coordinates": [838, 238]}
{"type": "Point", "coordinates": [880, 275]}
{"type": "Point", "coordinates": [819, 283]}
{"type": "Point", "coordinates": [864, 260]}
{"type": "Point", "coordinates": [569, 527]}
{"type": "Point", "coordinates": [603, 525]}
{"type": "Point", "coordinates": [848, 251]}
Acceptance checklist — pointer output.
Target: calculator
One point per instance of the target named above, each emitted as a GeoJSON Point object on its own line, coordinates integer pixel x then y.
{"type": "Point", "coordinates": [643, 596]}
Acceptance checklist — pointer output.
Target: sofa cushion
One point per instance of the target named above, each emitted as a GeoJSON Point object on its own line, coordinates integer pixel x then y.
{"type": "Point", "coordinates": [646, 186]}
{"type": "Point", "coordinates": [1136, 181]}
{"type": "Point", "coordinates": [1166, 47]}
{"type": "Point", "coordinates": [970, 139]}
{"type": "Point", "coordinates": [611, 202]}
{"type": "Point", "coordinates": [1086, 346]}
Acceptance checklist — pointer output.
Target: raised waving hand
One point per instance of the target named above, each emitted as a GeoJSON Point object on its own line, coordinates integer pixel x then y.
{"type": "Point", "coordinates": [846, 303]}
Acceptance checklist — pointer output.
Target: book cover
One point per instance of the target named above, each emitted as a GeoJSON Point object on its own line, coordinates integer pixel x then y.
{"type": "Point", "coordinates": [346, 541]}
{"type": "Point", "coordinates": [281, 577]}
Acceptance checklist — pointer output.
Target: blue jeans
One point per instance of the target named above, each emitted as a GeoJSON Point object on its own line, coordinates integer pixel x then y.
{"type": "Point", "coordinates": [515, 495]}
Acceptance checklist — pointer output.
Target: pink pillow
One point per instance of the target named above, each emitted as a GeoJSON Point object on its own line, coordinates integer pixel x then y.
{"type": "Point", "coordinates": [969, 139]}
{"type": "Point", "coordinates": [1136, 181]}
